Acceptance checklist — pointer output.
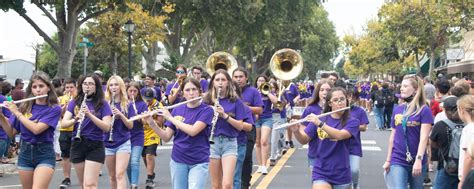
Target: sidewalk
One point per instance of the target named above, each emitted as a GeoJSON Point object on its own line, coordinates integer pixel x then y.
{"type": "Point", "coordinates": [8, 167]}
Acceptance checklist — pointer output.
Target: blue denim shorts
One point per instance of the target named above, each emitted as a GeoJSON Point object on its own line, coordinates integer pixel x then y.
{"type": "Point", "coordinates": [340, 186]}
{"type": "Point", "coordinates": [126, 147]}
{"type": "Point", "coordinates": [268, 122]}
{"type": "Point", "coordinates": [36, 155]}
{"type": "Point", "coordinates": [223, 146]}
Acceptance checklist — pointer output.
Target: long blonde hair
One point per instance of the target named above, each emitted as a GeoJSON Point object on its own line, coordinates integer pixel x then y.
{"type": "Point", "coordinates": [467, 103]}
{"type": "Point", "coordinates": [415, 106]}
{"type": "Point", "coordinates": [123, 93]}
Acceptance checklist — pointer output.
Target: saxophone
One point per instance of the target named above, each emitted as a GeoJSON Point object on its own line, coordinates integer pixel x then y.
{"type": "Point", "coordinates": [216, 116]}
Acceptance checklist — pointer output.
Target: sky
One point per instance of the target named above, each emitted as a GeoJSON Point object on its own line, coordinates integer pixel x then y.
{"type": "Point", "coordinates": [17, 37]}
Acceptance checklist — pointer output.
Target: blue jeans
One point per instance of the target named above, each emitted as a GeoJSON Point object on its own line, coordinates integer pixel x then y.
{"type": "Point", "coordinates": [133, 169]}
{"type": "Point", "coordinates": [399, 176]}
{"type": "Point", "coordinates": [333, 186]}
{"type": "Point", "coordinates": [3, 147]}
{"type": "Point", "coordinates": [184, 176]}
{"type": "Point", "coordinates": [378, 114]}
{"type": "Point", "coordinates": [241, 150]}
{"type": "Point", "coordinates": [443, 180]}
{"type": "Point", "coordinates": [223, 146]}
{"type": "Point", "coordinates": [32, 156]}
{"type": "Point", "coordinates": [354, 162]}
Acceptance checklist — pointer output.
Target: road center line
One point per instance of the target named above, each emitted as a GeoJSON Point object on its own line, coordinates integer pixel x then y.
{"type": "Point", "coordinates": [275, 170]}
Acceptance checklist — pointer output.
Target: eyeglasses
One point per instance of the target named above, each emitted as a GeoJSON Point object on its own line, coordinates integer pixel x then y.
{"type": "Point", "coordinates": [338, 100]}
{"type": "Point", "coordinates": [89, 83]}
{"type": "Point", "coordinates": [180, 72]}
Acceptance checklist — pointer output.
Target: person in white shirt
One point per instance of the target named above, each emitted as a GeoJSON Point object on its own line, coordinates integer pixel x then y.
{"type": "Point", "coordinates": [466, 164]}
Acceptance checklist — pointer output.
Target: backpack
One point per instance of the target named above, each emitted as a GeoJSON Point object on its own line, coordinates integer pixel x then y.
{"type": "Point", "coordinates": [451, 162]}
{"type": "Point", "coordinates": [379, 101]}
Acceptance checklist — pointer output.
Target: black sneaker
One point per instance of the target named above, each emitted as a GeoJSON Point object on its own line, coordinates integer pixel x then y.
{"type": "Point", "coordinates": [149, 183]}
{"type": "Point", "coordinates": [427, 182]}
{"type": "Point", "coordinates": [291, 144]}
{"type": "Point", "coordinates": [272, 162]}
{"type": "Point", "coordinates": [65, 183]}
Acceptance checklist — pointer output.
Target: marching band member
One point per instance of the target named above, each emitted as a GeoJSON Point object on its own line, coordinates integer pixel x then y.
{"type": "Point", "coordinates": [172, 93]}
{"type": "Point", "coordinates": [230, 122]}
{"type": "Point", "coordinates": [65, 134]}
{"type": "Point", "coordinates": [117, 139]}
{"type": "Point", "coordinates": [246, 140]}
{"type": "Point", "coordinates": [264, 125]}
{"type": "Point", "coordinates": [36, 121]}
{"type": "Point", "coordinates": [332, 134]}
{"type": "Point", "coordinates": [93, 116]}
{"type": "Point", "coordinates": [151, 140]}
{"type": "Point", "coordinates": [197, 74]}
{"type": "Point", "coordinates": [189, 125]}
{"type": "Point", "coordinates": [136, 134]}
{"type": "Point", "coordinates": [411, 123]}
{"type": "Point", "coordinates": [277, 136]}
{"type": "Point", "coordinates": [355, 146]}
{"type": "Point", "coordinates": [292, 96]}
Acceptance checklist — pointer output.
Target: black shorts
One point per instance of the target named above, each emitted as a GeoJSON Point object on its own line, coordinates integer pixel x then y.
{"type": "Point", "coordinates": [149, 150]}
{"type": "Point", "coordinates": [65, 143]}
{"type": "Point", "coordinates": [87, 150]}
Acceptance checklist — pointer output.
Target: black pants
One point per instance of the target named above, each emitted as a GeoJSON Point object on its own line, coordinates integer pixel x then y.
{"type": "Point", "coordinates": [387, 115]}
{"type": "Point", "coordinates": [248, 164]}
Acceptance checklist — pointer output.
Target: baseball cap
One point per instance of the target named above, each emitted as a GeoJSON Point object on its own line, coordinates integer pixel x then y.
{"type": "Point", "coordinates": [99, 73]}
{"type": "Point", "coordinates": [449, 103]}
{"type": "Point", "coordinates": [149, 94]}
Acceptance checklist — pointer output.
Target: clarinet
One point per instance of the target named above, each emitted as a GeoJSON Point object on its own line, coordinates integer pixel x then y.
{"type": "Point", "coordinates": [112, 104]}
{"type": "Point", "coordinates": [81, 118]}
{"type": "Point", "coordinates": [216, 116]}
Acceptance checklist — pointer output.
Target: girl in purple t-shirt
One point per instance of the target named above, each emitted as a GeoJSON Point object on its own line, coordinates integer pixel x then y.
{"type": "Point", "coordinates": [231, 113]}
{"type": "Point", "coordinates": [117, 143]}
{"type": "Point", "coordinates": [411, 125]}
{"type": "Point", "coordinates": [136, 134]}
{"type": "Point", "coordinates": [331, 166]}
{"type": "Point", "coordinates": [36, 121]}
{"type": "Point", "coordinates": [87, 148]}
{"type": "Point", "coordinates": [189, 124]}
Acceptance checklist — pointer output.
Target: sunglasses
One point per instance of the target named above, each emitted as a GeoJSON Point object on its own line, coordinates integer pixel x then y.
{"type": "Point", "coordinates": [180, 72]}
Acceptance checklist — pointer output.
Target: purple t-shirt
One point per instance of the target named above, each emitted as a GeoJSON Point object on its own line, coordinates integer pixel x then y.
{"type": "Point", "coordinates": [251, 97]}
{"type": "Point", "coordinates": [188, 149]}
{"type": "Point", "coordinates": [355, 143]}
{"type": "Point", "coordinates": [234, 109]}
{"type": "Point", "coordinates": [171, 86]}
{"type": "Point", "coordinates": [120, 133]}
{"type": "Point", "coordinates": [204, 85]}
{"type": "Point", "coordinates": [88, 129]}
{"type": "Point", "coordinates": [267, 107]}
{"type": "Point", "coordinates": [413, 132]}
{"type": "Point", "coordinates": [7, 114]}
{"type": "Point", "coordinates": [242, 137]}
{"type": "Point", "coordinates": [316, 110]}
{"type": "Point", "coordinates": [39, 113]}
{"type": "Point", "coordinates": [331, 162]}
{"type": "Point", "coordinates": [291, 94]}
{"type": "Point", "coordinates": [137, 136]}
{"type": "Point", "coordinates": [157, 92]}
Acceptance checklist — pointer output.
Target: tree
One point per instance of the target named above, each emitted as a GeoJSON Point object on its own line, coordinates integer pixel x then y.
{"type": "Point", "coordinates": [68, 18]}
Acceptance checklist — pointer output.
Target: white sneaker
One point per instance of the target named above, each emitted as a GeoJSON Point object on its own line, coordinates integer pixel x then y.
{"type": "Point", "coordinates": [264, 170]}
{"type": "Point", "coordinates": [259, 170]}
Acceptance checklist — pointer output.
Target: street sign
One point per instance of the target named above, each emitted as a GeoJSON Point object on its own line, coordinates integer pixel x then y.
{"type": "Point", "coordinates": [85, 42]}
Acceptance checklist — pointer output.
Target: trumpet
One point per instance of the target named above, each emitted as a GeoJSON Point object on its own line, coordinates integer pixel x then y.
{"type": "Point", "coordinates": [25, 100]}
{"type": "Point", "coordinates": [264, 88]}
{"type": "Point", "coordinates": [216, 116]}
{"type": "Point", "coordinates": [112, 104]}
{"type": "Point", "coordinates": [81, 115]}
{"type": "Point", "coordinates": [153, 112]}
{"type": "Point", "coordinates": [179, 81]}
{"type": "Point", "coordinates": [283, 126]}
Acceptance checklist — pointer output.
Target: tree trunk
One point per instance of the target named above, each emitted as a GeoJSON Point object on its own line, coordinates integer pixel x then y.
{"type": "Point", "coordinates": [150, 58]}
{"type": "Point", "coordinates": [114, 62]}
{"type": "Point", "coordinates": [432, 62]}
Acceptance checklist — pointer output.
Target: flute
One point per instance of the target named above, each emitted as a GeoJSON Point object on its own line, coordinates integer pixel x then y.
{"type": "Point", "coordinates": [283, 126]}
{"type": "Point", "coordinates": [24, 100]}
{"type": "Point", "coordinates": [149, 113]}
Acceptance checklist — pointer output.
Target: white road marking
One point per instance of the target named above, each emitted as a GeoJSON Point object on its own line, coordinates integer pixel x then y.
{"type": "Point", "coordinates": [371, 148]}
{"type": "Point", "coordinates": [368, 142]}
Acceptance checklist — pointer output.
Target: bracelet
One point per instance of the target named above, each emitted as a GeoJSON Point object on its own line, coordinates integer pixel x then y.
{"type": "Point", "coordinates": [227, 118]}
{"type": "Point", "coordinates": [321, 124]}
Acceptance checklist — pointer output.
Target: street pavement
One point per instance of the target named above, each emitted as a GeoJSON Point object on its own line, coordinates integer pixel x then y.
{"type": "Point", "coordinates": [291, 171]}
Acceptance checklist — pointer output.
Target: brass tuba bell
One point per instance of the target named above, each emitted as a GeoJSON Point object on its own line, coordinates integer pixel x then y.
{"type": "Point", "coordinates": [221, 60]}
{"type": "Point", "coordinates": [286, 64]}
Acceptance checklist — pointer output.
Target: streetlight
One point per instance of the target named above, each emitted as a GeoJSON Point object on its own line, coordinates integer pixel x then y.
{"type": "Point", "coordinates": [129, 27]}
